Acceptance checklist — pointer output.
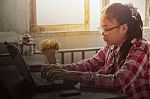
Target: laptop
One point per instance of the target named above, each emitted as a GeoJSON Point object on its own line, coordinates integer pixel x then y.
{"type": "Point", "coordinates": [34, 78]}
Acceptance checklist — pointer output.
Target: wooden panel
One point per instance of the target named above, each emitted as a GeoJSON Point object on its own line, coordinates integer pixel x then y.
{"type": "Point", "coordinates": [87, 15]}
{"type": "Point", "coordinates": [62, 58]}
{"type": "Point", "coordinates": [58, 28]}
{"type": "Point", "coordinates": [33, 12]}
{"type": "Point", "coordinates": [147, 8]}
{"type": "Point", "coordinates": [104, 3]}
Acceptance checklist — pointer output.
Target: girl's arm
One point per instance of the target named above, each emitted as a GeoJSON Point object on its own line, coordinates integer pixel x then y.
{"type": "Point", "coordinates": [91, 64]}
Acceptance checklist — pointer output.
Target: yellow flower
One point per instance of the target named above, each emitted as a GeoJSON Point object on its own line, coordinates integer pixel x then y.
{"type": "Point", "coordinates": [49, 44]}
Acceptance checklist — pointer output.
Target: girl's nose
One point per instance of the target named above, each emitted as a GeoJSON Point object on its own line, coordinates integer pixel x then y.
{"type": "Point", "coordinates": [103, 33]}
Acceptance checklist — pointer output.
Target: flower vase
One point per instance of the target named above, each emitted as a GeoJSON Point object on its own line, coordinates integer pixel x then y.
{"type": "Point", "coordinates": [50, 55]}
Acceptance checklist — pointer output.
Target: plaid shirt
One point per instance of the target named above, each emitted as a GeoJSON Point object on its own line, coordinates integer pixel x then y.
{"type": "Point", "coordinates": [132, 78]}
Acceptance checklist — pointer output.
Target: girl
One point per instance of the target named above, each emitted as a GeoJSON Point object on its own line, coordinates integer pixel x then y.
{"type": "Point", "coordinates": [123, 64]}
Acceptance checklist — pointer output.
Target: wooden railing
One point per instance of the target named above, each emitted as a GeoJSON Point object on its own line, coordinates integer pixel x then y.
{"type": "Point", "coordinates": [73, 51]}
{"type": "Point", "coordinates": [62, 52]}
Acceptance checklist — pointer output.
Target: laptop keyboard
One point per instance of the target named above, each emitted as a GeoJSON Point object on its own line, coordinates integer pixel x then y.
{"type": "Point", "coordinates": [38, 79]}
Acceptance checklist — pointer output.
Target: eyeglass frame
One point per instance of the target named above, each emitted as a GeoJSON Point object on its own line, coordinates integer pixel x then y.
{"type": "Point", "coordinates": [102, 30]}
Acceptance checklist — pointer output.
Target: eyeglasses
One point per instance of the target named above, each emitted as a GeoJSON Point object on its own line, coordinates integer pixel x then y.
{"type": "Point", "coordinates": [102, 30]}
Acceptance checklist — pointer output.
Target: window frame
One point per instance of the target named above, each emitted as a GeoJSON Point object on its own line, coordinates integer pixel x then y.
{"type": "Point", "coordinates": [35, 28]}
{"type": "Point", "coordinates": [147, 8]}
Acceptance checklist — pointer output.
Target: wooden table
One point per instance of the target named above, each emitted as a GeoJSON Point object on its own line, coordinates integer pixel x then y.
{"type": "Point", "coordinates": [84, 95]}
{"type": "Point", "coordinates": [87, 93]}
{"type": "Point", "coordinates": [35, 62]}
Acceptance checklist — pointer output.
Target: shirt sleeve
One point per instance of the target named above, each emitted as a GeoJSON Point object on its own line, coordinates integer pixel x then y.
{"type": "Point", "coordinates": [128, 73]}
{"type": "Point", "coordinates": [92, 64]}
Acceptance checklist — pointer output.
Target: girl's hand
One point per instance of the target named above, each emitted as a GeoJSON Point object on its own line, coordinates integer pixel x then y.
{"type": "Point", "coordinates": [47, 68]}
{"type": "Point", "coordinates": [59, 73]}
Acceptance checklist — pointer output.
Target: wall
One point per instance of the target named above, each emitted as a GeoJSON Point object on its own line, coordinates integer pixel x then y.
{"type": "Point", "coordinates": [13, 15]}
{"type": "Point", "coordinates": [79, 39]}
{"type": "Point", "coordinates": [72, 39]}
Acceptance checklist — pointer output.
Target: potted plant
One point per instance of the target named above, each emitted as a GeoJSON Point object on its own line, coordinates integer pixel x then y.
{"type": "Point", "coordinates": [49, 48]}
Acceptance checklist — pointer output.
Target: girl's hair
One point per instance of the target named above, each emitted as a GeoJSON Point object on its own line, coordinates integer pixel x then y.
{"type": "Point", "coordinates": [125, 14]}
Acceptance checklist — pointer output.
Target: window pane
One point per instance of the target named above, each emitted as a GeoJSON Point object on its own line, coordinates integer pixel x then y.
{"type": "Point", "coordinates": [52, 12]}
{"type": "Point", "coordinates": [95, 8]}
{"type": "Point", "coordinates": [140, 4]}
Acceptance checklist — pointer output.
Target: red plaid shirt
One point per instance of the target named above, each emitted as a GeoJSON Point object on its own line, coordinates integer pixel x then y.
{"type": "Point", "coordinates": [132, 78]}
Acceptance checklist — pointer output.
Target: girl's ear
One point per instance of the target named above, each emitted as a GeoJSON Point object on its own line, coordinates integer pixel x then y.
{"type": "Point", "coordinates": [124, 28]}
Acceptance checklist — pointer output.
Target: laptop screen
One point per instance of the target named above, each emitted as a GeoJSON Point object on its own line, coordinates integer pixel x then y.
{"type": "Point", "coordinates": [19, 62]}
{"type": "Point", "coordinates": [16, 86]}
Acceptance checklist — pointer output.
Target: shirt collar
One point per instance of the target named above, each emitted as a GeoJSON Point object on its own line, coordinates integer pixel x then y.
{"type": "Point", "coordinates": [136, 39]}
{"type": "Point", "coordinates": [114, 48]}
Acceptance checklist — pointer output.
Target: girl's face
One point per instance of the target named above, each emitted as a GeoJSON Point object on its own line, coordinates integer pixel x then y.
{"type": "Point", "coordinates": [112, 32]}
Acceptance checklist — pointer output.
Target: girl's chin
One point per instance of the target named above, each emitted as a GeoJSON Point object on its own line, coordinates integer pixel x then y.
{"type": "Point", "coordinates": [108, 43]}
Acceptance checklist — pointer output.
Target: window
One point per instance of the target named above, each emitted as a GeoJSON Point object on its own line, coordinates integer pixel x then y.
{"type": "Point", "coordinates": [54, 12]}
{"type": "Point", "coordinates": [142, 6]}
{"type": "Point", "coordinates": [95, 8]}
{"type": "Point", "coordinates": [65, 15]}
{"type": "Point", "coordinates": [57, 16]}
{"type": "Point", "coordinates": [75, 15]}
